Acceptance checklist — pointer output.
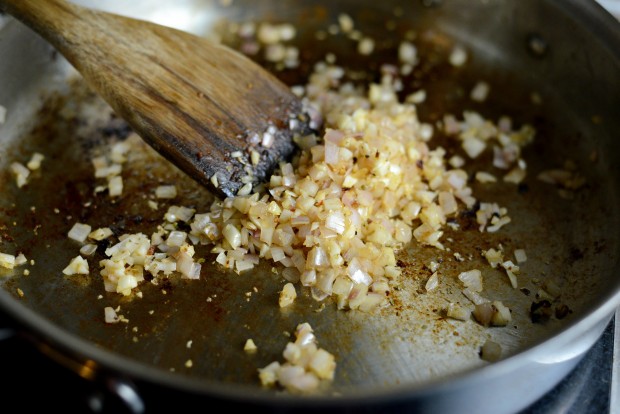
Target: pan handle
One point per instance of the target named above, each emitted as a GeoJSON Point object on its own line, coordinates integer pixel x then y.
{"type": "Point", "coordinates": [111, 391]}
{"type": "Point", "coordinates": [6, 330]}
{"type": "Point", "coordinates": [6, 333]}
{"type": "Point", "coordinates": [119, 395]}
{"type": "Point", "coordinates": [128, 394]}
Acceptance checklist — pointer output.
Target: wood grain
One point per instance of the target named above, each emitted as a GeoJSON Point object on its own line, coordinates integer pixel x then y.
{"type": "Point", "coordinates": [193, 100]}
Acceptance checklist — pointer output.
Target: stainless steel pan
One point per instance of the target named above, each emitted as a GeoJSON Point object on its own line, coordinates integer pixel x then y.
{"type": "Point", "coordinates": [403, 358]}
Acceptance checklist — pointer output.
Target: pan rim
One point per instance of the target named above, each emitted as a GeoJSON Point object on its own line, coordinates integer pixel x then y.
{"type": "Point", "coordinates": [113, 365]}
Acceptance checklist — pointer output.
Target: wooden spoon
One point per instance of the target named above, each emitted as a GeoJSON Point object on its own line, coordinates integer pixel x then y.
{"type": "Point", "coordinates": [215, 114]}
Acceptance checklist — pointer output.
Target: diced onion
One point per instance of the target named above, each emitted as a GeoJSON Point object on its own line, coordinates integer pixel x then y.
{"type": "Point", "coordinates": [35, 161]}
{"type": "Point", "coordinates": [115, 186]}
{"type": "Point", "coordinates": [110, 315]}
{"type": "Point", "coordinates": [520, 255]}
{"type": "Point", "coordinates": [490, 351]}
{"type": "Point", "coordinates": [287, 295]}
{"type": "Point", "coordinates": [78, 265]}
{"type": "Point", "coordinates": [472, 280]}
{"type": "Point", "coordinates": [166, 191]}
{"type": "Point", "coordinates": [7, 261]}
{"type": "Point", "coordinates": [432, 283]}
{"type": "Point", "coordinates": [79, 232]}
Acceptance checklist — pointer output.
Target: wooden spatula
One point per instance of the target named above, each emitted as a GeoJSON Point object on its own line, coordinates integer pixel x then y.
{"type": "Point", "coordinates": [218, 116]}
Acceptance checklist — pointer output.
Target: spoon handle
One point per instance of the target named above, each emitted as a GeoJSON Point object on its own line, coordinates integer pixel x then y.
{"type": "Point", "coordinates": [55, 20]}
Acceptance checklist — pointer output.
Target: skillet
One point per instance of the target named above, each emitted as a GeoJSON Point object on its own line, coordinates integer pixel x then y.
{"type": "Point", "coordinates": [408, 356]}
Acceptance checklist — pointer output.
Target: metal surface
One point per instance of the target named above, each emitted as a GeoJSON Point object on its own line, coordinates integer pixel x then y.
{"type": "Point", "coordinates": [408, 354]}
{"type": "Point", "coordinates": [615, 369]}
{"type": "Point", "coordinates": [585, 390]}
